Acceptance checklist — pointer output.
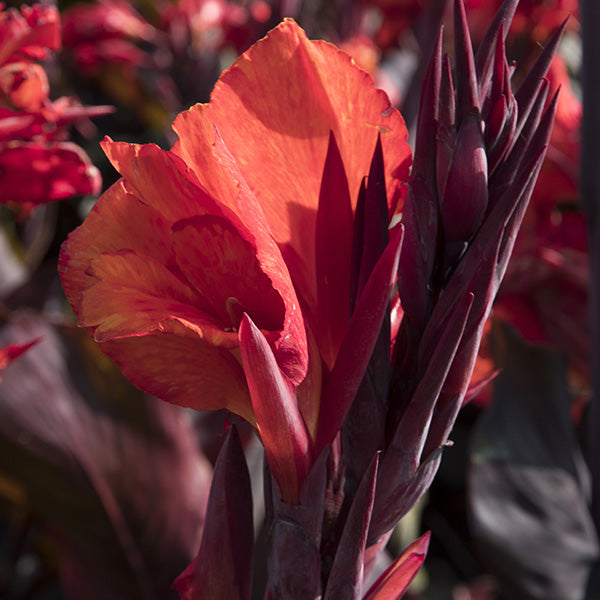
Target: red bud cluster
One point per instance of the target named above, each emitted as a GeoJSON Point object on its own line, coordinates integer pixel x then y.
{"type": "Point", "coordinates": [478, 153]}
{"type": "Point", "coordinates": [33, 136]}
{"type": "Point", "coordinates": [479, 149]}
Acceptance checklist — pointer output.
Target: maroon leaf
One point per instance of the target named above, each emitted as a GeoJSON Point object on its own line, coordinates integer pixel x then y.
{"type": "Point", "coordinates": [294, 562]}
{"type": "Point", "coordinates": [223, 567]}
{"type": "Point", "coordinates": [405, 473]}
{"type": "Point", "coordinates": [333, 244]}
{"type": "Point", "coordinates": [346, 577]}
{"type": "Point", "coordinates": [528, 90]}
{"type": "Point", "coordinates": [424, 155]}
{"type": "Point", "coordinates": [115, 474]}
{"type": "Point", "coordinates": [362, 333]}
{"type": "Point", "coordinates": [485, 53]}
{"type": "Point", "coordinates": [284, 435]}
{"type": "Point", "coordinates": [294, 539]}
{"type": "Point", "coordinates": [375, 220]}
{"type": "Point", "coordinates": [467, 92]}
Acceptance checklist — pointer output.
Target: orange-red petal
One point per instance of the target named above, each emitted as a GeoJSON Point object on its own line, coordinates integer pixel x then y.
{"type": "Point", "coordinates": [108, 228]}
{"type": "Point", "coordinates": [134, 295]}
{"type": "Point", "coordinates": [182, 370]}
{"type": "Point", "coordinates": [398, 576]}
{"type": "Point", "coordinates": [223, 267]}
{"type": "Point", "coordinates": [161, 179]}
{"type": "Point", "coordinates": [274, 109]}
{"type": "Point", "coordinates": [291, 347]}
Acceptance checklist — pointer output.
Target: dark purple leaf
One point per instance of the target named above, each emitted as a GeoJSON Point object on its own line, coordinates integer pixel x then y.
{"type": "Point", "coordinates": [294, 536]}
{"type": "Point", "coordinates": [223, 567]}
{"type": "Point", "coordinates": [294, 562]}
{"type": "Point", "coordinates": [115, 475]}
{"type": "Point", "coordinates": [467, 92]}
{"type": "Point", "coordinates": [405, 473]}
{"type": "Point", "coordinates": [529, 88]}
{"type": "Point", "coordinates": [485, 53]}
{"type": "Point", "coordinates": [528, 483]}
{"type": "Point", "coordinates": [375, 219]}
{"type": "Point", "coordinates": [424, 155]}
{"type": "Point", "coordinates": [345, 580]}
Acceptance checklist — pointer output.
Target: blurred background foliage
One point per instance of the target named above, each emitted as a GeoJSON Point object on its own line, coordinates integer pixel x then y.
{"type": "Point", "coordinates": [104, 488]}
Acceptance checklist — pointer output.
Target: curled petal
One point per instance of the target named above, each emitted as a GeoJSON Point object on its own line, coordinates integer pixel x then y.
{"type": "Point", "coordinates": [224, 269]}
{"type": "Point", "coordinates": [107, 229]}
{"type": "Point", "coordinates": [161, 179]}
{"type": "Point", "coordinates": [291, 345]}
{"type": "Point", "coordinates": [282, 429]}
{"type": "Point", "coordinates": [399, 575]}
{"type": "Point", "coordinates": [134, 295]}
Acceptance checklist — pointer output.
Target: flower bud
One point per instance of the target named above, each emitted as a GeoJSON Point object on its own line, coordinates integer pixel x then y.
{"type": "Point", "coordinates": [465, 195]}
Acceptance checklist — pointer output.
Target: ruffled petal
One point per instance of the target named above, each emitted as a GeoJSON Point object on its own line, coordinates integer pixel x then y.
{"type": "Point", "coordinates": [108, 228]}
{"type": "Point", "coordinates": [134, 295]}
{"type": "Point", "coordinates": [291, 347]}
{"type": "Point", "coordinates": [161, 178]}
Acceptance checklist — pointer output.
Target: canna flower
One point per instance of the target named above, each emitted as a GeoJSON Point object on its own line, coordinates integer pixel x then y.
{"type": "Point", "coordinates": [217, 272]}
{"type": "Point", "coordinates": [32, 127]}
{"type": "Point", "coordinates": [253, 267]}
{"type": "Point", "coordinates": [203, 26]}
{"type": "Point", "coordinates": [105, 33]}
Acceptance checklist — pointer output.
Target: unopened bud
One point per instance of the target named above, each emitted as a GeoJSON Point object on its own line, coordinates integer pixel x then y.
{"type": "Point", "coordinates": [465, 195]}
